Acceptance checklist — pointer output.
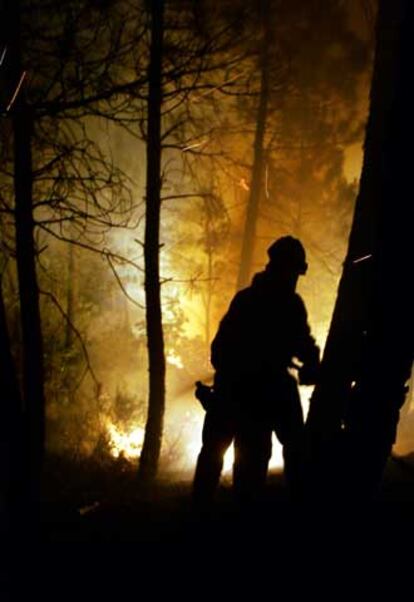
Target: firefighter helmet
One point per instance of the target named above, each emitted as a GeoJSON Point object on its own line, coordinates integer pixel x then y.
{"type": "Point", "coordinates": [288, 253]}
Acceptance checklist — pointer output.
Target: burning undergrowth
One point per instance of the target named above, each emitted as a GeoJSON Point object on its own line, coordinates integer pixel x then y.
{"type": "Point", "coordinates": [110, 430]}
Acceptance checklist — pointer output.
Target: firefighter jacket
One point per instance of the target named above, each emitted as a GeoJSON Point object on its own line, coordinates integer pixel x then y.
{"type": "Point", "coordinates": [264, 329]}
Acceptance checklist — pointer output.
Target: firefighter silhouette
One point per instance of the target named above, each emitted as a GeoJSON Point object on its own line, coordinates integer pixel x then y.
{"type": "Point", "coordinates": [264, 330]}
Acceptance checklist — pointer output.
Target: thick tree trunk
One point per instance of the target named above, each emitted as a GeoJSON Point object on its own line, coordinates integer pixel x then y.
{"type": "Point", "coordinates": [369, 350]}
{"type": "Point", "coordinates": [33, 393]}
{"type": "Point", "coordinates": [252, 209]}
{"type": "Point", "coordinates": [155, 340]}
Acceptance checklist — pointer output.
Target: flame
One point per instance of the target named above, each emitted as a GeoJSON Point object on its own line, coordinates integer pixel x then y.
{"type": "Point", "coordinates": [174, 359]}
{"type": "Point", "coordinates": [276, 461]}
{"type": "Point", "coordinates": [128, 444]}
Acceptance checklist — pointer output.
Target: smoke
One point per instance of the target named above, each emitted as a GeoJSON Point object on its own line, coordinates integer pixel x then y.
{"type": "Point", "coordinates": [96, 358]}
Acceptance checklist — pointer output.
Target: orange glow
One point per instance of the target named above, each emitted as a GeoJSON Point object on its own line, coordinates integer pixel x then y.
{"type": "Point", "coordinates": [125, 443]}
{"type": "Point", "coordinates": [128, 443]}
{"type": "Point", "coordinates": [193, 447]}
{"type": "Point", "coordinates": [184, 418]}
{"type": "Point", "coordinates": [353, 162]}
{"type": "Point", "coordinates": [276, 461]}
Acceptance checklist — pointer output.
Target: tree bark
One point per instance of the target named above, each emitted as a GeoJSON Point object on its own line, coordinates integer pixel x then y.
{"type": "Point", "coordinates": [33, 372]}
{"type": "Point", "coordinates": [252, 209]}
{"type": "Point", "coordinates": [369, 350]}
{"type": "Point", "coordinates": [155, 339]}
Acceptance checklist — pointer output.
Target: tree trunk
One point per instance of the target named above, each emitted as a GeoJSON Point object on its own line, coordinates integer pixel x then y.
{"type": "Point", "coordinates": [11, 429]}
{"type": "Point", "coordinates": [252, 209]}
{"type": "Point", "coordinates": [33, 379]}
{"type": "Point", "coordinates": [369, 350]}
{"type": "Point", "coordinates": [209, 295]}
{"type": "Point", "coordinates": [207, 298]}
{"type": "Point", "coordinates": [70, 297]}
{"type": "Point", "coordinates": [155, 340]}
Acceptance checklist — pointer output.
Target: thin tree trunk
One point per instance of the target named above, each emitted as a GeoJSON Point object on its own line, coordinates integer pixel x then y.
{"type": "Point", "coordinates": [11, 430]}
{"type": "Point", "coordinates": [33, 392]}
{"type": "Point", "coordinates": [209, 294]}
{"type": "Point", "coordinates": [155, 340]}
{"type": "Point", "coordinates": [70, 297]}
{"type": "Point", "coordinates": [252, 209]}
{"type": "Point", "coordinates": [14, 319]}
{"type": "Point", "coordinates": [369, 350]}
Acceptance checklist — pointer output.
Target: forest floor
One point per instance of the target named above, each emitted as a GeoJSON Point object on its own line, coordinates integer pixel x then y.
{"type": "Point", "coordinates": [103, 503]}
{"type": "Point", "coordinates": [78, 495]}
{"type": "Point", "coordinates": [101, 534]}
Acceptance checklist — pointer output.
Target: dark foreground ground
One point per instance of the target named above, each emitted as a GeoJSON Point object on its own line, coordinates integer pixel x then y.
{"type": "Point", "coordinates": [104, 538]}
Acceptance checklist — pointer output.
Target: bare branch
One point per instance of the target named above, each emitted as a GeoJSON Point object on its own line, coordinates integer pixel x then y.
{"type": "Point", "coordinates": [102, 252]}
{"type": "Point", "coordinates": [121, 286]}
{"type": "Point", "coordinates": [55, 301]}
